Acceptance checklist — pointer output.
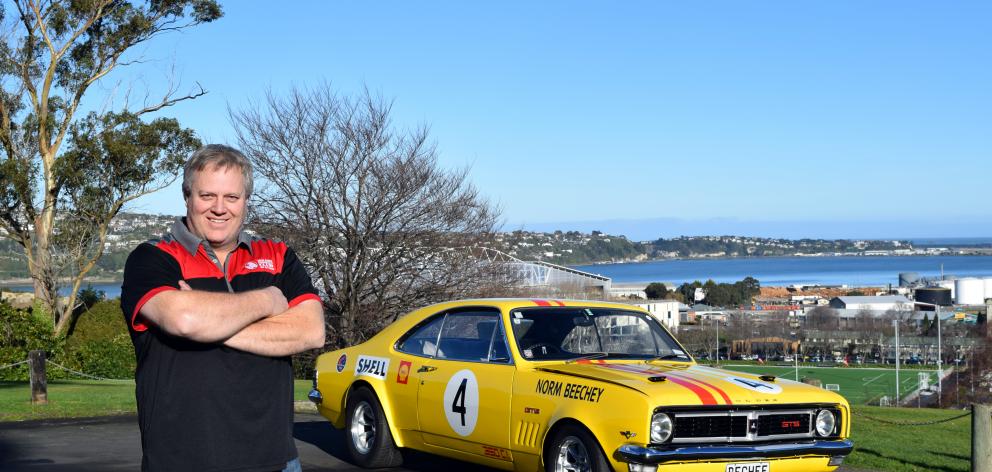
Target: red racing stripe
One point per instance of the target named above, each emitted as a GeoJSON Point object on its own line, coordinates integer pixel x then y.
{"type": "Point", "coordinates": [723, 394]}
{"type": "Point", "coordinates": [556, 302]}
{"type": "Point", "coordinates": [704, 395]}
{"type": "Point", "coordinates": [541, 302]}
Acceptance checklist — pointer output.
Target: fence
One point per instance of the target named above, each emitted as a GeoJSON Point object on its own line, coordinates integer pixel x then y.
{"type": "Point", "coordinates": [37, 368]}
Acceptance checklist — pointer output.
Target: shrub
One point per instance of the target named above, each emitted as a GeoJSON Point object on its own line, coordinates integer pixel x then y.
{"type": "Point", "coordinates": [99, 344]}
{"type": "Point", "coordinates": [21, 331]}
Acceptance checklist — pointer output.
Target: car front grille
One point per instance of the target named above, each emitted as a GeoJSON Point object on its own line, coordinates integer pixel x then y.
{"type": "Point", "coordinates": [710, 426]}
{"type": "Point", "coordinates": [744, 425]}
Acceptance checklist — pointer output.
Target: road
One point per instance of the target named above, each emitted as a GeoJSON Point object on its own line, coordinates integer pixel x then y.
{"type": "Point", "coordinates": [113, 444]}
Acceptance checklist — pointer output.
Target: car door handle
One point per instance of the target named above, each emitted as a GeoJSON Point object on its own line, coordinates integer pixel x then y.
{"type": "Point", "coordinates": [426, 368]}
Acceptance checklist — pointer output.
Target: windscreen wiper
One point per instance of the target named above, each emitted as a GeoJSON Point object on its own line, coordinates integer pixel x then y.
{"type": "Point", "coordinates": [667, 357]}
{"type": "Point", "coordinates": [590, 356]}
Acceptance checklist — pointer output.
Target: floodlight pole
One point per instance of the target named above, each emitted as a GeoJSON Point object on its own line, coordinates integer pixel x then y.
{"type": "Point", "coordinates": [895, 323]}
{"type": "Point", "coordinates": [797, 360]}
{"type": "Point", "coordinates": [717, 357]}
{"type": "Point", "coordinates": [940, 370]}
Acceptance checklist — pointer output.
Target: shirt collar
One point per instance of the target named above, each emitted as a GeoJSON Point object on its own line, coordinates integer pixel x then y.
{"type": "Point", "coordinates": [192, 242]}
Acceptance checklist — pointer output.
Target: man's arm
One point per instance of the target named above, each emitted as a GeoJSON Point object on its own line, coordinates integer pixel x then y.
{"type": "Point", "coordinates": [211, 316]}
{"type": "Point", "coordinates": [296, 330]}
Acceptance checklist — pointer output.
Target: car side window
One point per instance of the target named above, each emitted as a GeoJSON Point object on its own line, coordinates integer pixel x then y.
{"type": "Point", "coordinates": [422, 339]}
{"type": "Point", "coordinates": [467, 336]}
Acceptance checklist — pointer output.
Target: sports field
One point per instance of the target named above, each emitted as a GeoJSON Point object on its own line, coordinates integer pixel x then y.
{"type": "Point", "coordinates": [859, 386]}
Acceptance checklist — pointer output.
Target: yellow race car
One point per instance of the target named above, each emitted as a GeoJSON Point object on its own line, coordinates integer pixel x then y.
{"type": "Point", "coordinates": [562, 385]}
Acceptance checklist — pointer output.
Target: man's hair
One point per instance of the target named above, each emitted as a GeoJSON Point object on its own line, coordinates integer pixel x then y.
{"type": "Point", "coordinates": [216, 155]}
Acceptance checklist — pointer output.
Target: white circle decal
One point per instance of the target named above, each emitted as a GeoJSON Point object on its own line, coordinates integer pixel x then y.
{"type": "Point", "coordinates": [461, 402]}
{"type": "Point", "coordinates": [756, 385]}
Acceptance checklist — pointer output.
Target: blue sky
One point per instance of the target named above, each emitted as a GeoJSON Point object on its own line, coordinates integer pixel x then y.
{"type": "Point", "coordinates": [834, 119]}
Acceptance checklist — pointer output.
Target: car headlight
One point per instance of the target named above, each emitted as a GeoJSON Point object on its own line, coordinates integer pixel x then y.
{"type": "Point", "coordinates": [661, 428]}
{"type": "Point", "coordinates": [825, 422]}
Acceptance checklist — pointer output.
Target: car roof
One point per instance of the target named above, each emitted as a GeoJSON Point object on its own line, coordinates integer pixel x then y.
{"type": "Point", "coordinates": [511, 303]}
{"type": "Point", "coordinates": [406, 322]}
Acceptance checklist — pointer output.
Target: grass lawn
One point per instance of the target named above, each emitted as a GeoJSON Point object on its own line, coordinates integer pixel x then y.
{"type": "Point", "coordinates": [82, 398]}
{"type": "Point", "coordinates": [939, 447]}
{"type": "Point", "coordinates": [859, 385]}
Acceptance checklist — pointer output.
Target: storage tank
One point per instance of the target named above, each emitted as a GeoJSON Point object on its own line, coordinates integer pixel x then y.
{"type": "Point", "coordinates": [948, 284]}
{"type": "Point", "coordinates": [907, 279]}
{"type": "Point", "coordinates": [935, 295]}
{"type": "Point", "coordinates": [969, 291]}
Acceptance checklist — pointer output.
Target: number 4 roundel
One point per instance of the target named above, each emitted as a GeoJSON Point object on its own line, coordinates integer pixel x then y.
{"type": "Point", "coordinates": [461, 402]}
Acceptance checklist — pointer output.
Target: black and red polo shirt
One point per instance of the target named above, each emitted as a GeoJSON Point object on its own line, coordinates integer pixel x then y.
{"type": "Point", "coordinates": [207, 407]}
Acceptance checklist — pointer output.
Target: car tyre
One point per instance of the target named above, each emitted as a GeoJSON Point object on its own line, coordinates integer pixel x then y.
{"type": "Point", "coordinates": [573, 449]}
{"type": "Point", "coordinates": [367, 432]}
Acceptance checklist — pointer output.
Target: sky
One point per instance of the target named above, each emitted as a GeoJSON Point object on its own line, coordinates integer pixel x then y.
{"type": "Point", "coordinates": [846, 119]}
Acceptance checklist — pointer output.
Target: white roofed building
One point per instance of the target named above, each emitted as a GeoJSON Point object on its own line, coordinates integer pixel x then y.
{"type": "Point", "coordinates": [880, 303]}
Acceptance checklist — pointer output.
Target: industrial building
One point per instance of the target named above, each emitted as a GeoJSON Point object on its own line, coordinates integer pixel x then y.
{"type": "Point", "coordinates": [879, 304]}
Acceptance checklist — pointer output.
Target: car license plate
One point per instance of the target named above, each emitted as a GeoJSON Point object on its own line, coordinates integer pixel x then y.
{"type": "Point", "coordinates": [748, 467]}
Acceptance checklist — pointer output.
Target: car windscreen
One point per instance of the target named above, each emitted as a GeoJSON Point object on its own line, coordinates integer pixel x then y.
{"type": "Point", "coordinates": [562, 333]}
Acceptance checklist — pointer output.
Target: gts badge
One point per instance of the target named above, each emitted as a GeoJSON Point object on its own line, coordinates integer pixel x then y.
{"type": "Point", "coordinates": [369, 366]}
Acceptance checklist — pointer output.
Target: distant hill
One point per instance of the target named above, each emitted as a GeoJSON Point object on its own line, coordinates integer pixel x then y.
{"type": "Point", "coordinates": [558, 247]}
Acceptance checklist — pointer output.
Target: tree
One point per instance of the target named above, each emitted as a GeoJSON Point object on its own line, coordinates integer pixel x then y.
{"type": "Point", "coordinates": [656, 291]}
{"type": "Point", "coordinates": [688, 291]}
{"type": "Point", "coordinates": [823, 318]}
{"type": "Point", "coordinates": [382, 228]}
{"type": "Point", "coordinates": [63, 178]}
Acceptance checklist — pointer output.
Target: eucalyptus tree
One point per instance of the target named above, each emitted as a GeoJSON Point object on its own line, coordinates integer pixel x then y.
{"type": "Point", "coordinates": [68, 167]}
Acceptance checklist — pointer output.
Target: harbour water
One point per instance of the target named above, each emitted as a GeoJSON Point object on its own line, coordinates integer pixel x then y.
{"type": "Point", "coordinates": [770, 271]}
{"type": "Point", "coordinates": [782, 271]}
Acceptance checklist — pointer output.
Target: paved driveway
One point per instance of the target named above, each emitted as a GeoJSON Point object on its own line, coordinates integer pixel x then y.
{"type": "Point", "coordinates": [113, 444]}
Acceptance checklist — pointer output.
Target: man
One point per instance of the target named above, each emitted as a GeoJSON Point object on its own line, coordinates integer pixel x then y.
{"type": "Point", "coordinates": [214, 315]}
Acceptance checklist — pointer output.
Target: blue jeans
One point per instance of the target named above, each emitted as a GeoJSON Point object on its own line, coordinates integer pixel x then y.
{"type": "Point", "coordinates": [293, 466]}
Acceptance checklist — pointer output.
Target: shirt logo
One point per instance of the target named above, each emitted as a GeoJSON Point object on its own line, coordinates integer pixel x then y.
{"type": "Point", "coordinates": [260, 263]}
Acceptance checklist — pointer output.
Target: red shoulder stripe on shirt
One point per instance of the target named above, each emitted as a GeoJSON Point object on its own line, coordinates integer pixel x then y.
{"type": "Point", "coordinates": [138, 326]}
{"type": "Point", "coordinates": [194, 267]}
{"type": "Point", "coordinates": [303, 298]}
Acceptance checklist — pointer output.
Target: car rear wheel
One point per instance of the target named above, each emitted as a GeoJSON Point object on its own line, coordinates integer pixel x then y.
{"type": "Point", "coordinates": [573, 449]}
{"type": "Point", "coordinates": [369, 440]}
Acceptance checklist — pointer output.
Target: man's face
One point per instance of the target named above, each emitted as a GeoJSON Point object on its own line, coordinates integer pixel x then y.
{"type": "Point", "coordinates": [215, 208]}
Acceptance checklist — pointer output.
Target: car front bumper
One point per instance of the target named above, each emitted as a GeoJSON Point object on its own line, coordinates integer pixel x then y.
{"type": "Point", "coordinates": [635, 454]}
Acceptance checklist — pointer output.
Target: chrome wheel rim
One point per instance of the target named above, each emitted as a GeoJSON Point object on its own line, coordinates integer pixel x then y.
{"type": "Point", "coordinates": [572, 456]}
{"type": "Point", "coordinates": [363, 428]}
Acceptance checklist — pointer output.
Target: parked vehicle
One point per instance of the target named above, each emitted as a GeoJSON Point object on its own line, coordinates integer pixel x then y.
{"type": "Point", "coordinates": [555, 385]}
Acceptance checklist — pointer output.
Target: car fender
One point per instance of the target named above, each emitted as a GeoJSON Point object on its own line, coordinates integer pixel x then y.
{"type": "Point", "coordinates": [384, 400]}
{"type": "Point", "coordinates": [622, 416]}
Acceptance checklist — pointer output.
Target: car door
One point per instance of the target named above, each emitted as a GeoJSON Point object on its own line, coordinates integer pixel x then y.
{"type": "Point", "coordinates": [465, 389]}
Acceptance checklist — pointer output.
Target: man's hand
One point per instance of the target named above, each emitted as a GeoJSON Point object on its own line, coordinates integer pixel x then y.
{"type": "Point", "coordinates": [278, 300]}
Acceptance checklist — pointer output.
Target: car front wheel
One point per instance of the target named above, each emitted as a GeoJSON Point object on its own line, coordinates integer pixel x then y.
{"type": "Point", "coordinates": [369, 440]}
{"type": "Point", "coordinates": [573, 449]}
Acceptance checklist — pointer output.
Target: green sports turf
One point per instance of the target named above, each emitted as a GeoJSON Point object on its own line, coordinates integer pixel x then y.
{"type": "Point", "coordinates": [859, 386]}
